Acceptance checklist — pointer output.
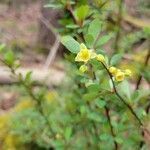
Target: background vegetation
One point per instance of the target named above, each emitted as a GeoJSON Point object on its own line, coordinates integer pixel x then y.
{"type": "Point", "coordinates": [48, 101]}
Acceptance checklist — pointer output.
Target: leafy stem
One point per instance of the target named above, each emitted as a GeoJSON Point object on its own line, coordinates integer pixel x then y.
{"type": "Point", "coordinates": [120, 97]}
{"type": "Point", "coordinates": [107, 110]}
{"type": "Point", "coordinates": [28, 88]}
{"type": "Point", "coordinates": [71, 12]}
{"type": "Point", "coordinates": [119, 18]}
{"type": "Point", "coordinates": [145, 65]}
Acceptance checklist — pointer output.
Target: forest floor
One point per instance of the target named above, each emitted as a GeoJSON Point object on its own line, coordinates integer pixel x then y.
{"type": "Point", "coordinates": [19, 29]}
{"type": "Point", "coordinates": [19, 24]}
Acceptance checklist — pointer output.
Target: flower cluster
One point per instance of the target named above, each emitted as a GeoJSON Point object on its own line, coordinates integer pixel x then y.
{"type": "Point", "coordinates": [85, 55]}
{"type": "Point", "coordinates": [118, 74]}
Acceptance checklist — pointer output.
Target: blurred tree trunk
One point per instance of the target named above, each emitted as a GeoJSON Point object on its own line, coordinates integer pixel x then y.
{"type": "Point", "coordinates": [46, 38]}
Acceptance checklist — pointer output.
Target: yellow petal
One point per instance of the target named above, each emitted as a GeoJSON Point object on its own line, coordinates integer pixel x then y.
{"type": "Point", "coordinates": [128, 72]}
{"type": "Point", "coordinates": [119, 76]}
{"type": "Point", "coordinates": [77, 58]}
{"type": "Point", "coordinates": [82, 46]}
{"type": "Point", "coordinates": [83, 56]}
{"type": "Point", "coordinates": [93, 54]}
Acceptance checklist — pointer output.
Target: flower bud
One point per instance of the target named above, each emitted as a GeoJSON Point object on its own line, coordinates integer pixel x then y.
{"type": "Point", "coordinates": [113, 70]}
{"type": "Point", "coordinates": [100, 58]}
{"type": "Point", "coordinates": [119, 76]}
{"type": "Point", "coordinates": [128, 72]}
{"type": "Point", "coordinates": [83, 68]}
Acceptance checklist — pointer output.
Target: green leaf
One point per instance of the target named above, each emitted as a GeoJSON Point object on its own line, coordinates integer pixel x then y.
{"type": "Point", "coordinates": [94, 116]}
{"type": "Point", "coordinates": [90, 96]}
{"type": "Point", "coordinates": [71, 44]}
{"type": "Point", "coordinates": [119, 140]}
{"type": "Point", "coordinates": [89, 40]}
{"type": "Point", "coordinates": [104, 137]}
{"type": "Point", "coordinates": [100, 103]}
{"type": "Point", "coordinates": [2, 46]}
{"type": "Point", "coordinates": [28, 77]}
{"type": "Point", "coordinates": [115, 59]}
{"type": "Point", "coordinates": [103, 40]}
{"type": "Point", "coordinates": [101, 51]}
{"type": "Point", "coordinates": [68, 132]}
{"type": "Point", "coordinates": [138, 95]}
{"type": "Point", "coordinates": [93, 87]}
{"type": "Point", "coordinates": [146, 74]}
{"type": "Point", "coordinates": [96, 65]}
{"type": "Point", "coordinates": [83, 109]}
{"type": "Point", "coordinates": [72, 26]}
{"type": "Point", "coordinates": [146, 31]}
{"type": "Point", "coordinates": [125, 89]}
{"type": "Point", "coordinates": [82, 12]}
{"type": "Point", "coordinates": [9, 57]}
{"type": "Point", "coordinates": [95, 28]}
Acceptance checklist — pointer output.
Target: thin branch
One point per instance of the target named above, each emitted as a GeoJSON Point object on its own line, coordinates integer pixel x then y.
{"type": "Point", "coordinates": [111, 127]}
{"type": "Point", "coordinates": [55, 47]}
{"type": "Point", "coordinates": [120, 97]}
{"type": "Point", "coordinates": [145, 65]}
{"type": "Point", "coordinates": [125, 103]}
{"type": "Point", "coordinates": [34, 97]}
{"type": "Point", "coordinates": [49, 26]}
{"type": "Point", "coordinates": [119, 19]}
{"type": "Point", "coordinates": [95, 42]}
{"type": "Point", "coordinates": [137, 87]}
{"type": "Point", "coordinates": [93, 123]}
{"type": "Point", "coordinates": [70, 11]}
{"type": "Point", "coordinates": [30, 92]}
{"type": "Point", "coordinates": [148, 108]}
{"type": "Point", "coordinates": [52, 54]}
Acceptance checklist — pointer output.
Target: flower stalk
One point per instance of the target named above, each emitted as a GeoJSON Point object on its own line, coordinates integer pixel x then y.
{"type": "Point", "coordinates": [120, 97]}
{"type": "Point", "coordinates": [107, 110]}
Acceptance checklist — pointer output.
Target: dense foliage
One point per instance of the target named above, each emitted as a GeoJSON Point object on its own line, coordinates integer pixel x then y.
{"type": "Point", "coordinates": [97, 107]}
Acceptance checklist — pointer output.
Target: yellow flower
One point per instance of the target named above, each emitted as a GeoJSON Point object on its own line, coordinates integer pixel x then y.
{"type": "Point", "coordinates": [128, 72]}
{"type": "Point", "coordinates": [113, 70]}
{"type": "Point", "coordinates": [100, 58]}
{"type": "Point", "coordinates": [51, 96]}
{"type": "Point", "coordinates": [4, 118]}
{"type": "Point", "coordinates": [24, 104]}
{"type": "Point", "coordinates": [93, 54]}
{"type": "Point", "coordinates": [12, 142]}
{"type": "Point", "coordinates": [84, 54]}
{"type": "Point", "coordinates": [83, 68]}
{"type": "Point", "coordinates": [58, 136]}
{"type": "Point", "coordinates": [4, 124]}
{"type": "Point", "coordinates": [82, 46]}
{"type": "Point", "coordinates": [119, 76]}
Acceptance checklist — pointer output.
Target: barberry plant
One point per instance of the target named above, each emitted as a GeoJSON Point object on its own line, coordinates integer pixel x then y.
{"type": "Point", "coordinates": [92, 62]}
{"type": "Point", "coordinates": [96, 108]}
